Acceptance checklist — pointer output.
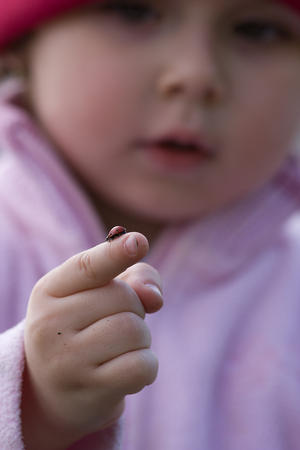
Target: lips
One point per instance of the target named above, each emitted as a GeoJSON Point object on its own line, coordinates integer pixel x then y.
{"type": "Point", "coordinates": [178, 150]}
{"type": "Point", "coordinates": [183, 146]}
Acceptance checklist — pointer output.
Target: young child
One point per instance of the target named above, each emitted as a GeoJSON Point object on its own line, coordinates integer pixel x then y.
{"type": "Point", "coordinates": [178, 120]}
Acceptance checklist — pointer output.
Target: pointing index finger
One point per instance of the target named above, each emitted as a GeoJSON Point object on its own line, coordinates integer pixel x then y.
{"type": "Point", "coordinates": [96, 266]}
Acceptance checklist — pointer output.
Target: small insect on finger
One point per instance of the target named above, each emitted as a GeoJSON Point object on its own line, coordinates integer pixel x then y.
{"type": "Point", "coordinates": [115, 232]}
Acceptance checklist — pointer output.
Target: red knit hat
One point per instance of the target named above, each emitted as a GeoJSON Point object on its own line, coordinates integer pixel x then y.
{"type": "Point", "coordinates": [19, 16]}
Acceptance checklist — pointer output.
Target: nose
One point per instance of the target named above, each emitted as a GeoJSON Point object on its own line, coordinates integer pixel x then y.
{"type": "Point", "coordinates": [193, 69]}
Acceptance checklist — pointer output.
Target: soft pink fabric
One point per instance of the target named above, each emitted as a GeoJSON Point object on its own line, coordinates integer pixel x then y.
{"type": "Point", "coordinates": [11, 368]}
{"type": "Point", "coordinates": [228, 337]}
{"type": "Point", "coordinates": [44, 219]}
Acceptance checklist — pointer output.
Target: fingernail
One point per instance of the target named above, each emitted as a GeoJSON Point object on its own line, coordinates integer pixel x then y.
{"type": "Point", "coordinates": [154, 288]}
{"type": "Point", "coordinates": [131, 245]}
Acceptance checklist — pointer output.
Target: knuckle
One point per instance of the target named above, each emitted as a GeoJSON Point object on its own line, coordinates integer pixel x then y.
{"type": "Point", "coordinates": [39, 288]}
{"type": "Point", "coordinates": [145, 268]}
{"type": "Point", "coordinates": [84, 264]}
{"type": "Point", "coordinates": [125, 298]}
{"type": "Point", "coordinates": [143, 367]}
{"type": "Point", "coordinates": [130, 297]}
{"type": "Point", "coordinates": [134, 328]}
{"type": "Point", "coordinates": [147, 272]}
{"type": "Point", "coordinates": [123, 289]}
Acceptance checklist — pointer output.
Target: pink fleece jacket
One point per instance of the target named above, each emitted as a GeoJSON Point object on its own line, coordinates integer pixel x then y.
{"type": "Point", "coordinates": [228, 337]}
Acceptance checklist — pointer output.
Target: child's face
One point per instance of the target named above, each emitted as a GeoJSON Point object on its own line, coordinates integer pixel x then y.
{"type": "Point", "coordinates": [111, 84]}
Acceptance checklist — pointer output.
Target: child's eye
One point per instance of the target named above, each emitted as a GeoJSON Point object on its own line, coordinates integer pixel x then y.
{"type": "Point", "coordinates": [262, 31]}
{"type": "Point", "coordinates": [131, 12]}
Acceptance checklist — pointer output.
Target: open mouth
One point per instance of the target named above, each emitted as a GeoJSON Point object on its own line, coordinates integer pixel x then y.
{"type": "Point", "coordinates": [174, 146]}
{"type": "Point", "coordinates": [170, 154]}
{"type": "Point", "coordinates": [183, 147]}
{"type": "Point", "coordinates": [179, 150]}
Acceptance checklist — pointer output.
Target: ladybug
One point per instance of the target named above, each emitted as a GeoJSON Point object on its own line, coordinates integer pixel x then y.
{"type": "Point", "coordinates": [115, 232]}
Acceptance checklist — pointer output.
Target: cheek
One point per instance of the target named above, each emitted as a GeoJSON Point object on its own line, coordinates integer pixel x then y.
{"type": "Point", "coordinates": [76, 89]}
{"type": "Point", "coordinates": [78, 112]}
{"type": "Point", "coordinates": [275, 109]}
{"type": "Point", "coordinates": [265, 121]}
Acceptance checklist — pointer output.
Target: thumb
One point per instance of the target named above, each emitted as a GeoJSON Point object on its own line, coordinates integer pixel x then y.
{"type": "Point", "coordinates": [145, 280]}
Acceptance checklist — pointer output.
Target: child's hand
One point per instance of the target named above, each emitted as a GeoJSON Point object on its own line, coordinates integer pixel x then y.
{"type": "Point", "coordinates": [86, 343]}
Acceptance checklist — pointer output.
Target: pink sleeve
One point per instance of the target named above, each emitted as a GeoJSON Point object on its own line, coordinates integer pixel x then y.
{"type": "Point", "coordinates": [11, 369]}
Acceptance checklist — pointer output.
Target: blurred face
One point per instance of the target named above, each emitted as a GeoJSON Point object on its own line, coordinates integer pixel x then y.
{"type": "Point", "coordinates": [170, 109]}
